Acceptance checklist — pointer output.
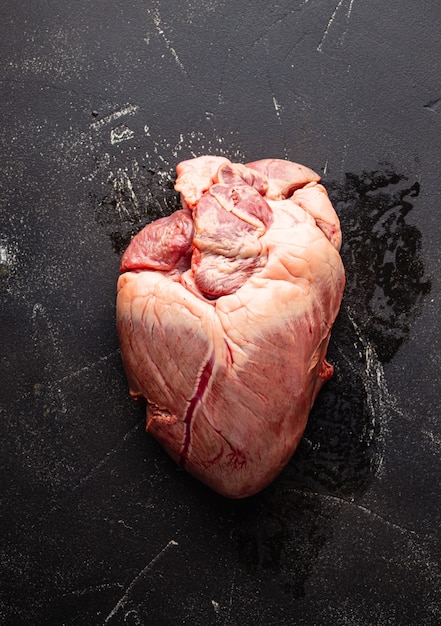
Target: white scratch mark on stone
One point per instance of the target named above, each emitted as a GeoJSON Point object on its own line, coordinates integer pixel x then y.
{"type": "Point", "coordinates": [108, 455]}
{"type": "Point", "coordinates": [160, 30]}
{"type": "Point", "coordinates": [374, 371]}
{"type": "Point", "coordinates": [348, 14]}
{"type": "Point", "coordinates": [85, 368]}
{"type": "Point", "coordinates": [126, 596]}
{"type": "Point", "coordinates": [331, 21]}
{"type": "Point", "coordinates": [128, 109]}
{"type": "Point", "coordinates": [434, 105]}
{"type": "Point", "coordinates": [434, 440]}
{"type": "Point", "coordinates": [359, 507]}
{"type": "Point", "coordinates": [376, 516]}
{"type": "Point", "coordinates": [230, 601]}
{"type": "Point", "coordinates": [282, 18]}
{"type": "Point", "coordinates": [94, 589]}
{"type": "Point", "coordinates": [277, 107]}
{"type": "Point", "coordinates": [99, 465]}
{"type": "Point", "coordinates": [328, 26]}
{"type": "Point", "coordinates": [379, 400]}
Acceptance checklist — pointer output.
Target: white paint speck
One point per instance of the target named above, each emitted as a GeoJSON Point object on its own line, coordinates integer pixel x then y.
{"type": "Point", "coordinates": [276, 105]}
{"type": "Point", "coordinates": [121, 133]}
{"type": "Point", "coordinates": [7, 257]}
{"type": "Point", "coordinates": [216, 606]}
{"type": "Point", "coordinates": [128, 109]}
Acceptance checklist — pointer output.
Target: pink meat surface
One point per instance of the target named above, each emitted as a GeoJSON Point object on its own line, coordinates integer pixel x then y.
{"type": "Point", "coordinates": [224, 314]}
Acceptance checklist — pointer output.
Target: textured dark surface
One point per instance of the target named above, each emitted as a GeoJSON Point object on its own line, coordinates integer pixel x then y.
{"type": "Point", "coordinates": [99, 101]}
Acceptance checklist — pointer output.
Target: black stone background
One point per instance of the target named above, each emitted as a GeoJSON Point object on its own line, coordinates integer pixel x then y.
{"type": "Point", "coordinates": [99, 102]}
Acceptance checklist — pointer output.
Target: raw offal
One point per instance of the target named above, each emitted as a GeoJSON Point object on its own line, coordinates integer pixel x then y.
{"type": "Point", "coordinates": [224, 314]}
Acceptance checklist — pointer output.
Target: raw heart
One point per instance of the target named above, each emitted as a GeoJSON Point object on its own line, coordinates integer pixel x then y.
{"type": "Point", "coordinates": [224, 314]}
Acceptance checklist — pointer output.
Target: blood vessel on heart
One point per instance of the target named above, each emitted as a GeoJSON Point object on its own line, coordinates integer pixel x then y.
{"type": "Point", "coordinates": [224, 315]}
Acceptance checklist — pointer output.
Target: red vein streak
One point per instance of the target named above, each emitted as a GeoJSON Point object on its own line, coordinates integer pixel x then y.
{"type": "Point", "coordinates": [203, 383]}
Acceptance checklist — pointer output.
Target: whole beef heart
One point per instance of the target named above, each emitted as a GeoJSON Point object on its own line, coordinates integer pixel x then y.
{"type": "Point", "coordinates": [224, 314]}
